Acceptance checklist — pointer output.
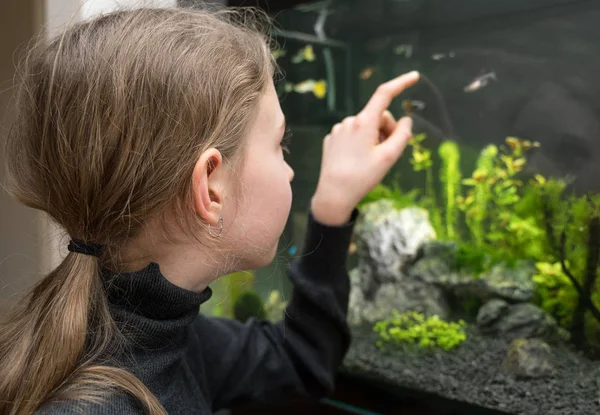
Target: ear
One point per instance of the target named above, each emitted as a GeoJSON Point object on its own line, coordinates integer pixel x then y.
{"type": "Point", "coordinates": [207, 185]}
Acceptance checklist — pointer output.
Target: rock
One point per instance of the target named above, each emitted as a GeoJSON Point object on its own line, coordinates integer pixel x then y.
{"type": "Point", "coordinates": [598, 385]}
{"type": "Point", "coordinates": [439, 249]}
{"type": "Point", "coordinates": [408, 296]}
{"type": "Point", "coordinates": [491, 312]}
{"type": "Point", "coordinates": [529, 358]}
{"type": "Point", "coordinates": [512, 284]}
{"type": "Point", "coordinates": [499, 318]}
{"type": "Point", "coordinates": [435, 266]}
{"type": "Point", "coordinates": [387, 241]}
{"type": "Point", "coordinates": [387, 238]}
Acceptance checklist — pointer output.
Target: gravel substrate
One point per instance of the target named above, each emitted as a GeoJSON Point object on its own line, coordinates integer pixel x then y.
{"type": "Point", "coordinates": [472, 373]}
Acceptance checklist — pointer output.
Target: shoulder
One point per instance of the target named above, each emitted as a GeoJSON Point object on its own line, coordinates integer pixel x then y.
{"type": "Point", "coordinates": [116, 404]}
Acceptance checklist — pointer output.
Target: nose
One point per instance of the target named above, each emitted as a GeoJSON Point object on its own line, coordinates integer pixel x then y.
{"type": "Point", "coordinates": [290, 172]}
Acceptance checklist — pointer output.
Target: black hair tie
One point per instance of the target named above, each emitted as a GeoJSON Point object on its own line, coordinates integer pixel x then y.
{"type": "Point", "coordinates": [80, 247]}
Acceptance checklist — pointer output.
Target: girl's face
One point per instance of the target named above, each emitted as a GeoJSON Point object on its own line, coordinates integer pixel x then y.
{"type": "Point", "coordinates": [266, 195]}
{"type": "Point", "coordinates": [256, 202]}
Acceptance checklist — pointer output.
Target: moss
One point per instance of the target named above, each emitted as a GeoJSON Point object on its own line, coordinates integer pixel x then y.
{"type": "Point", "coordinates": [247, 305]}
{"type": "Point", "coordinates": [400, 199]}
{"type": "Point", "coordinates": [554, 292]}
{"type": "Point", "coordinates": [414, 328]}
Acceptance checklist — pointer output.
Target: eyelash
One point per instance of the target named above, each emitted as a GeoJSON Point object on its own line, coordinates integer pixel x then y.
{"type": "Point", "coordinates": [285, 141]}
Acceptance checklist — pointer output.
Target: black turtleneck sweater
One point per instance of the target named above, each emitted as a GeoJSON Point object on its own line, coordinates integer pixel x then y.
{"type": "Point", "coordinates": [197, 365]}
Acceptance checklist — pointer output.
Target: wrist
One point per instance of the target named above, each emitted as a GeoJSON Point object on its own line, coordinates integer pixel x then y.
{"type": "Point", "coordinates": [328, 211]}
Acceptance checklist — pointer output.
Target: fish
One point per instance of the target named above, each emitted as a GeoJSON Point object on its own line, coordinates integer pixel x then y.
{"type": "Point", "coordinates": [318, 88]}
{"type": "Point", "coordinates": [480, 82]}
{"type": "Point", "coordinates": [305, 54]}
{"type": "Point", "coordinates": [440, 56]}
{"type": "Point", "coordinates": [367, 73]}
{"type": "Point", "coordinates": [412, 104]}
{"type": "Point", "coordinates": [404, 49]}
{"type": "Point", "coordinates": [352, 248]}
{"type": "Point", "coordinates": [278, 53]}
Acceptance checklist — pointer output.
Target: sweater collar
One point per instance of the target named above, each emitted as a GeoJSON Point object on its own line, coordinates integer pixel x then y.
{"type": "Point", "coordinates": [149, 294]}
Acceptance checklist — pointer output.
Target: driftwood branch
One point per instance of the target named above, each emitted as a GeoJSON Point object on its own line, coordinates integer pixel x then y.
{"type": "Point", "coordinates": [587, 298]}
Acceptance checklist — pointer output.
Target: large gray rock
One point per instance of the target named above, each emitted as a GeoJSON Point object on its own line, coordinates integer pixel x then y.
{"type": "Point", "coordinates": [499, 318]}
{"type": "Point", "coordinates": [387, 238]}
{"type": "Point", "coordinates": [387, 241]}
{"type": "Point", "coordinates": [529, 358]}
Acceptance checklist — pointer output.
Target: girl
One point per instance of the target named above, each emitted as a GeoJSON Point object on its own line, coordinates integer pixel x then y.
{"type": "Point", "coordinates": [154, 137]}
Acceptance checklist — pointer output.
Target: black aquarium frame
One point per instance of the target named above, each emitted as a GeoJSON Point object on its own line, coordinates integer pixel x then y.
{"type": "Point", "coordinates": [427, 11]}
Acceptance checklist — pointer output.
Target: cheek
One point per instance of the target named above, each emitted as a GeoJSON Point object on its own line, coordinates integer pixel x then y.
{"type": "Point", "coordinates": [266, 203]}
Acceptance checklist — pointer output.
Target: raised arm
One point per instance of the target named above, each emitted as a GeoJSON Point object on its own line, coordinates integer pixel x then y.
{"type": "Point", "coordinates": [296, 357]}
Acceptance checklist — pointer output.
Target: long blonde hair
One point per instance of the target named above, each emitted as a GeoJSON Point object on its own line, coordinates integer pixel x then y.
{"type": "Point", "coordinates": [112, 116]}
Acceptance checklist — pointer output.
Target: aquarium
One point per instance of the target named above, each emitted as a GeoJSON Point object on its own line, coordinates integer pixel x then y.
{"type": "Point", "coordinates": [474, 264]}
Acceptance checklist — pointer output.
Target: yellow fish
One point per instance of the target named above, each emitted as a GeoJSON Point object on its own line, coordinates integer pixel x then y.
{"type": "Point", "coordinates": [278, 53]}
{"type": "Point", "coordinates": [305, 54]}
{"type": "Point", "coordinates": [352, 248]}
{"type": "Point", "coordinates": [318, 88]}
{"type": "Point", "coordinates": [367, 73]}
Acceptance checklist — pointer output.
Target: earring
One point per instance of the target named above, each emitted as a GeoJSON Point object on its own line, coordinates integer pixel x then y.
{"type": "Point", "coordinates": [216, 235]}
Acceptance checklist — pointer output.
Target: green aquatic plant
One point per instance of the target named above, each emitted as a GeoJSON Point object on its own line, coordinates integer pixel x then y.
{"type": "Point", "coordinates": [494, 192]}
{"type": "Point", "coordinates": [412, 328]}
{"type": "Point", "coordinates": [541, 195]}
{"type": "Point", "coordinates": [249, 305]}
{"type": "Point", "coordinates": [399, 199]}
{"type": "Point", "coordinates": [497, 224]}
{"type": "Point", "coordinates": [555, 293]}
{"type": "Point", "coordinates": [275, 306]}
{"type": "Point", "coordinates": [476, 208]}
{"type": "Point", "coordinates": [421, 160]}
{"type": "Point", "coordinates": [226, 290]}
{"type": "Point", "coordinates": [574, 233]}
{"type": "Point", "coordinates": [585, 285]}
{"type": "Point", "coordinates": [477, 259]}
{"type": "Point", "coordinates": [450, 178]}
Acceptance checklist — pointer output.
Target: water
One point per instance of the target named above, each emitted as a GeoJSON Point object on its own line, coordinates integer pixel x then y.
{"type": "Point", "coordinates": [507, 213]}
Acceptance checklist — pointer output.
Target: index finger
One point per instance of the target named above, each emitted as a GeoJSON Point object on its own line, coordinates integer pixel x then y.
{"type": "Point", "coordinates": [386, 92]}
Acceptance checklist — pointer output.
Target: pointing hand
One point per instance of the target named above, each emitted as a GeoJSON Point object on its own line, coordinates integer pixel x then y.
{"type": "Point", "coordinates": [358, 153]}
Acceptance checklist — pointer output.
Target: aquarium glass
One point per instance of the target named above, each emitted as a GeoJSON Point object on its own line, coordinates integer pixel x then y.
{"type": "Point", "coordinates": [474, 265]}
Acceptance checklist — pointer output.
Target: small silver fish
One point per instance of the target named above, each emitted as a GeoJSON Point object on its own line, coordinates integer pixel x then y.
{"type": "Point", "coordinates": [412, 104]}
{"type": "Point", "coordinates": [404, 49]}
{"type": "Point", "coordinates": [418, 105]}
{"type": "Point", "coordinates": [440, 56]}
{"type": "Point", "coordinates": [480, 82]}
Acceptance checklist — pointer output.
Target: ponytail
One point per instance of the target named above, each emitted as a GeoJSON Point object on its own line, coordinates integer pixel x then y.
{"type": "Point", "coordinates": [50, 347]}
